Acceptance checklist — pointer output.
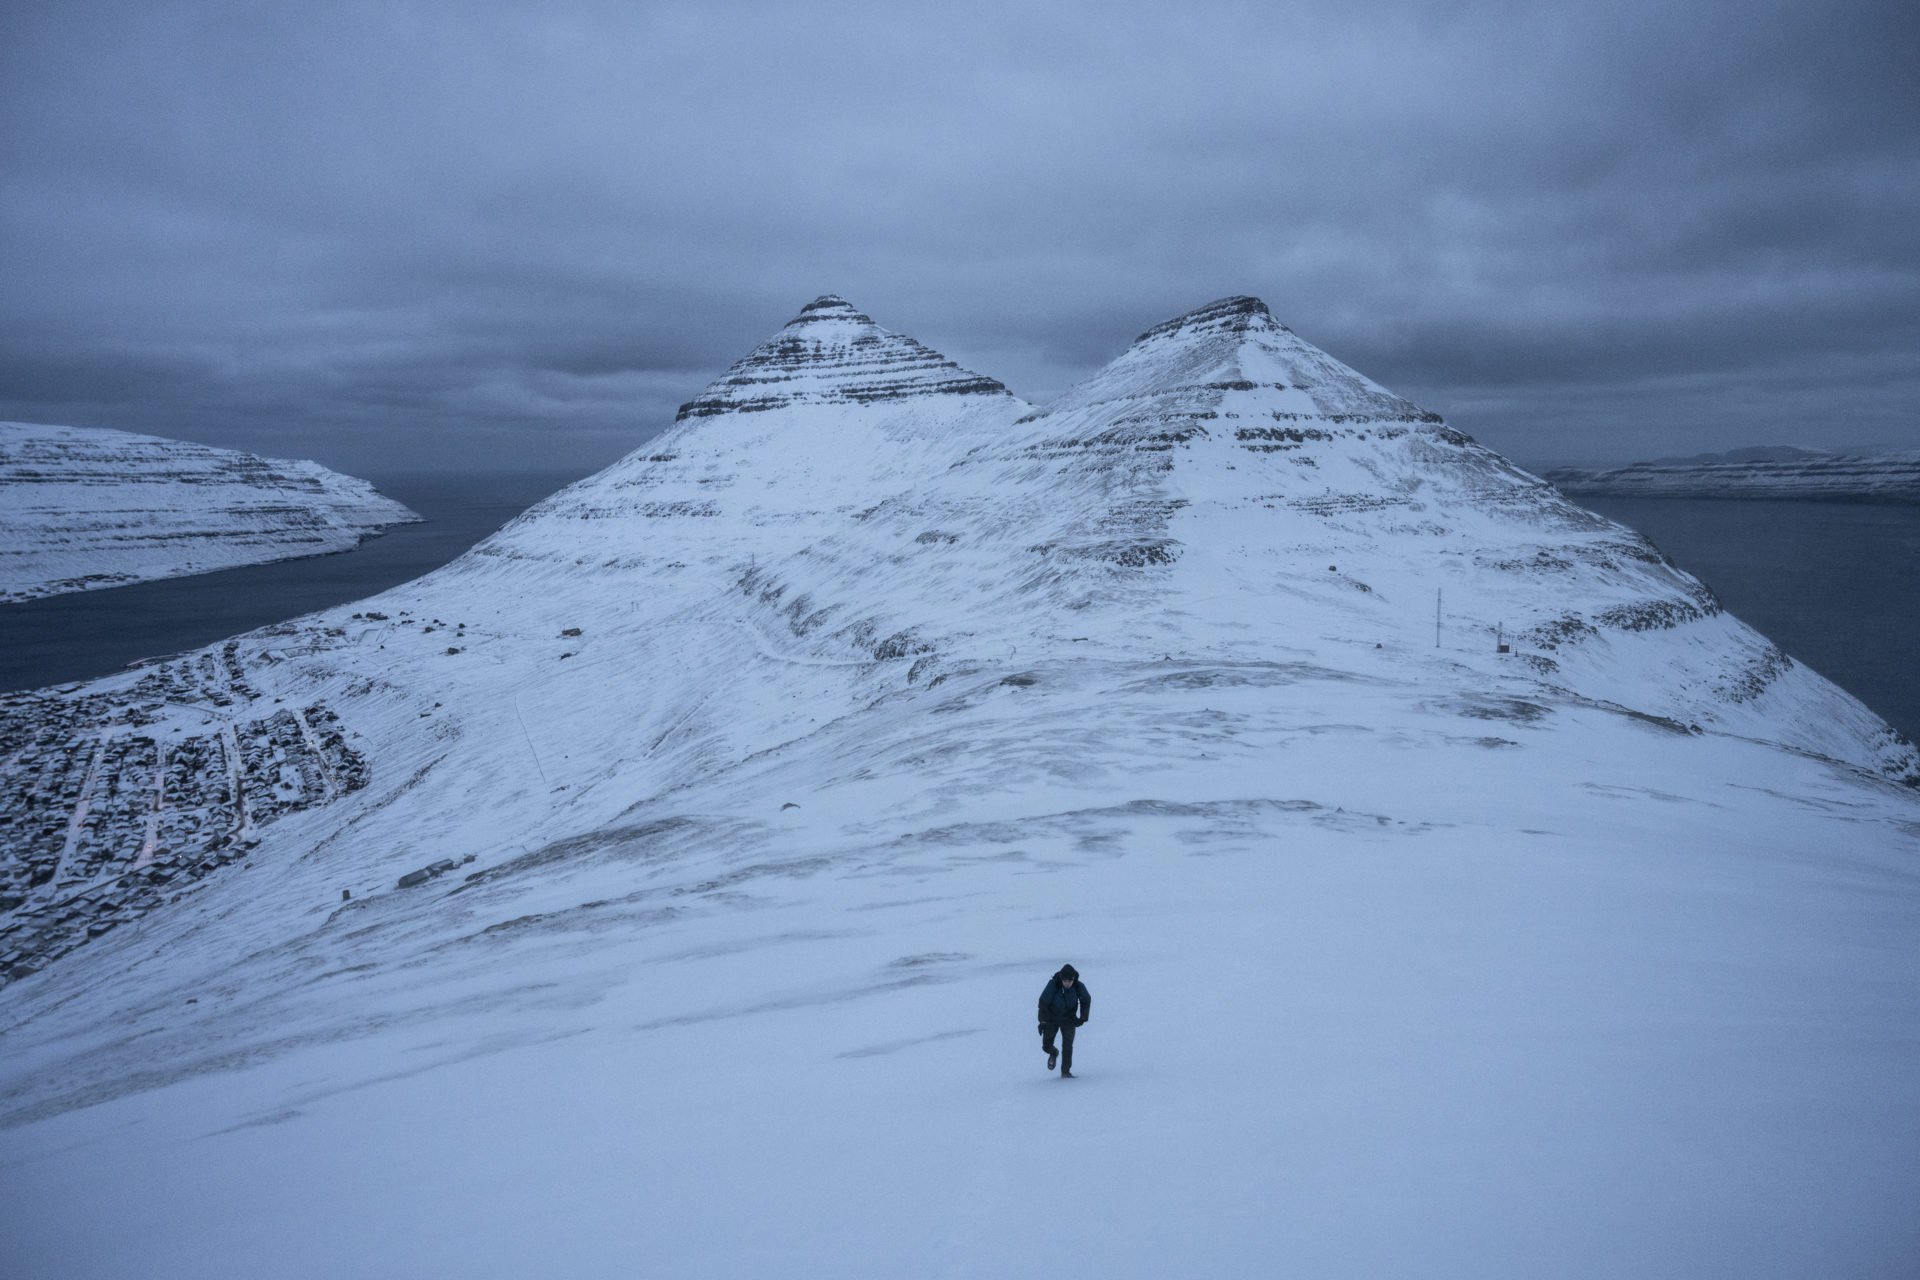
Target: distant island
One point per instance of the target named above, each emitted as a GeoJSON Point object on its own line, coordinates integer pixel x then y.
{"type": "Point", "coordinates": [83, 508]}
{"type": "Point", "coordinates": [1778, 471]}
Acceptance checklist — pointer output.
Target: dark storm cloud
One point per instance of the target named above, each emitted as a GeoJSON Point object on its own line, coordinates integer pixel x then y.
{"type": "Point", "coordinates": [404, 235]}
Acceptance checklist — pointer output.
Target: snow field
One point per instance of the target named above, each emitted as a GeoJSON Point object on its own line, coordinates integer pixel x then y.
{"type": "Point", "coordinates": [1406, 961]}
{"type": "Point", "coordinates": [1625, 1040]}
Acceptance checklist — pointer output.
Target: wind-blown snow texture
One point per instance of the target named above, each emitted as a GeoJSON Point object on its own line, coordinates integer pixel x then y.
{"type": "Point", "coordinates": [82, 508]}
{"type": "Point", "coordinates": [795, 751]}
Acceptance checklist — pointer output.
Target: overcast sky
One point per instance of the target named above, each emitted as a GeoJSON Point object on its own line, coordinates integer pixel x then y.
{"type": "Point", "coordinates": [399, 236]}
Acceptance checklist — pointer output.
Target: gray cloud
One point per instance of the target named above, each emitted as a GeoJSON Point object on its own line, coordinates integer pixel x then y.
{"type": "Point", "coordinates": [459, 235]}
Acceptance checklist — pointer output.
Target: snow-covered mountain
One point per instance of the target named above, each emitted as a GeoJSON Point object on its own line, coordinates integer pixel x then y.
{"type": "Point", "coordinates": [711, 827]}
{"type": "Point", "coordinates": [1756, 473]}
{"type": "Point", "coordinates": [85, 508]}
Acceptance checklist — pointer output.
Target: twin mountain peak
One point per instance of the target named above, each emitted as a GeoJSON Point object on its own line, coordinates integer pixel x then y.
{"type": "Point", "coordinates": [832, 353]}
{"type": "Point", "coordinates": [1221, 488]}
{"type": "Point", "coordinates": [856, 570]}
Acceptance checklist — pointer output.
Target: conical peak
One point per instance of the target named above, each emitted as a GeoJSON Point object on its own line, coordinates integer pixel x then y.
{"type": "Point", "coordinates": [1234, 347]}
{"type": "Point", "coordinates": [829, 307]}
{"type": "Point", "coordinates": [1238, 314]}
{"type": "Point", "coordinates": [832, 353]}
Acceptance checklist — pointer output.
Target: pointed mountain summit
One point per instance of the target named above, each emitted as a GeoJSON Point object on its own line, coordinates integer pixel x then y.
{"type": "Point", "coordinates": [1224, 486]}
{"type": "Point", "coordinates": [759, 766]}
{"type": "Point", "coordinates": [868, 521]}
{"type": "Point", "coordinates": [1236, 345]}
{"type": "Point", "coordinates": [833, 354]}
{"type": "Point", "coordinates": [806, 427]}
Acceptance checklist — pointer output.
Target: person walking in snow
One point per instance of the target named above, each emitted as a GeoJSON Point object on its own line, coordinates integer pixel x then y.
{"type": "Point", "coordinates": [1065, 1004]}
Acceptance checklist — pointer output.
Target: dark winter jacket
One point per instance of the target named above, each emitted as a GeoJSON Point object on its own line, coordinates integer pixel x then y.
{"type": "Point", "coordinates": [1059, 1005]}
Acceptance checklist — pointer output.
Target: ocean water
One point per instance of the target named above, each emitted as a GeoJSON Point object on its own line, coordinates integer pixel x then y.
{"type": "Point", "coordinates": [1835, 584]}
{"type": "Point", "coordinates": [93, 633]}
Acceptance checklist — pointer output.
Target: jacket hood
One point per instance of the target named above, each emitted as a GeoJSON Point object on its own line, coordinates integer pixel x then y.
{"type": "Point", "coordinates": [1068, 972]}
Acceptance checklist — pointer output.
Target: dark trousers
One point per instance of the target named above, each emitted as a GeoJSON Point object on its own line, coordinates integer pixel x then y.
{"type": "Point", "coordinates": [1066, 1042]}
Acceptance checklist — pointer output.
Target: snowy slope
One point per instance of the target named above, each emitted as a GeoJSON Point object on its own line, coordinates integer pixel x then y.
{"type": "Point", "coordinates": [793, 753]}
{"type": "Point", "coordinates": [1802, 474]}
{"type": "Point", "coordinates": [82, 508]}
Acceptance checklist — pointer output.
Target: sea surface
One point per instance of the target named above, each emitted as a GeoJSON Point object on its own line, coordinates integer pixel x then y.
{"type": "Point", "coordinates": [94, 633]}
{"type": "Point", "coordinates": [1837, 585]}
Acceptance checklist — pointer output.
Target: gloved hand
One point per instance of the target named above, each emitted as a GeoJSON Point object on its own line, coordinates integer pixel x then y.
{"type": "Point", "coordinates": [1043, 1028]}
{"type": "Point", "coordinates": [1079, 1022]}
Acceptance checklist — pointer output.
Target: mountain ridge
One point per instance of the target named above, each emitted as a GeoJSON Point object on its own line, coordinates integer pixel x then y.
{"type": "Point", "coordinates": [88, 508]}
{"type": "Point", "coordinates": [716, 814]}
{"type": "Point", "coordinates": [894, 543]}
{"type": "Point", "coordinates": [1777, 472]}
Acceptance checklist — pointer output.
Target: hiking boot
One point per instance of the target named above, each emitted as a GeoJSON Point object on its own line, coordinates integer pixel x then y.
{"type": "Point", "coordinates": [1068, 1075]}
{"type": "Point", "coordinates": [1053, 1056]}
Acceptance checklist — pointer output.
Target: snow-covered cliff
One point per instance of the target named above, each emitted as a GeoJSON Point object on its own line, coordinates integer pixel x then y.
{"type": "Point", "coordinates": [82, 508]}
{"type": "Point", "coordinates": [710, 829]}
{"type": "Point", "coordinates": [1756, 473]}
